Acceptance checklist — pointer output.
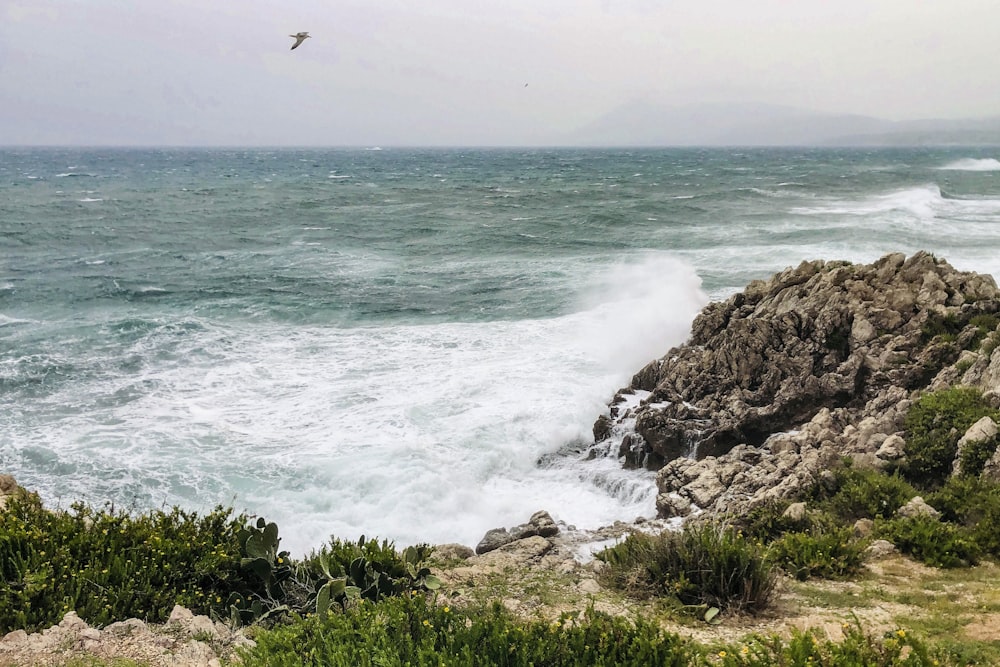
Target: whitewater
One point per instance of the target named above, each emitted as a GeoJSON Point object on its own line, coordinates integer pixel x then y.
{"type": "Point", "coordinates": [410, 344]}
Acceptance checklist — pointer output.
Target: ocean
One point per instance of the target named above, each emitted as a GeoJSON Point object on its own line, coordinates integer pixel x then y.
{"type": "Point", "coordinates": [409, 344]}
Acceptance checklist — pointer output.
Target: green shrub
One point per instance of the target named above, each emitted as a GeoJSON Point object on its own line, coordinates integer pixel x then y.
{"type": "Point", "coordinates": [108, 565]}
{"type": "Point", "coordinates": [828, 553]}
{"type": "Point", "coordinates": [412, 631]}
{"type": "Point", "coordinates": [767, 522]}
{"type": "Point", "coordinates": [985, 324]}
{"type": "Point", "coordinates": [934, 424]}
{"type": "Point", "coordinates": [365, 569]}
{"type": "Point", "coordinates": [856, 649]}
{"type": "Point", "coordinates": [945, 327]}
{"type": "Point", "coordinates": [974, 504]}
{"type": "Point", "coordinates": [975, 454]}
{"type": "Point", "coordinates": [864, 494]}
{"type": "Point", "coordinates": [931, 541]}
{"type": "Point", "coordinates": [703, 565]}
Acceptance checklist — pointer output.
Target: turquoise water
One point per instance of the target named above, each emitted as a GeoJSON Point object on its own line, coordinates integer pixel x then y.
{"type": "Point", "coordinates": [390, 341]}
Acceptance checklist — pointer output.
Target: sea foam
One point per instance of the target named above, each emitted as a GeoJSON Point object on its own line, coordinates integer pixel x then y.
{"type": "Point", "coordinates": [428, 432]}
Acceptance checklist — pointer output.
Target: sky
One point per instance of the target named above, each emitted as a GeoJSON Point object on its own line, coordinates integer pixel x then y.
{"type": "Point", "coordinates": [469, 72]}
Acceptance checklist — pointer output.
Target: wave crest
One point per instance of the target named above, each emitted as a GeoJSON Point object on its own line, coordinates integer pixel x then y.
{"type": "Point", "coordinates": [973, 164]}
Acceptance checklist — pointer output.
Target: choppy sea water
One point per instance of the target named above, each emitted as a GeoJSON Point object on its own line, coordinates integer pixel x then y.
{"type": "Point", "coordinates": [401, 342]}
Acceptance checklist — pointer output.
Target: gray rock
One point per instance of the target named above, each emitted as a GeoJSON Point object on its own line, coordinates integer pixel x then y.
{"type": "Point", "coordinates": [15, 637]}
{"type": "Point", "coordinates": [863, 527]}
{"type": "Point", "coordinates": [669, 505]}
{"type": "Point", "coordinates": [602, 428]}
{"type": "Point", "coordinates": [494, 539]}
{"type": "Point", "coordinates": [93, 634]}
{"type": "Point", "coordinates": [880, 549]}
{"type": "Point", "coordinates": [543, 524]}
{"type": "Point", "coordinates": [916, 507]}
{"type": "Point", "coordinates": [795, 512]}
{"type": "Point", "coordinates": [453, 552]}
{"type": "Point", "coordinates": [891, 449]}
{"type": "Point", "coordinates": [982, 430]}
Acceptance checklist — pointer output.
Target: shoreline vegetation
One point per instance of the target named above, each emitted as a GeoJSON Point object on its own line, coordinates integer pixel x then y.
{"type": "Point", "coordinates": [881, 409]}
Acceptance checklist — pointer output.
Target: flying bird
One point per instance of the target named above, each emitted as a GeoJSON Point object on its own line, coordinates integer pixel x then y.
{"type": "Point", "coordinates": [299, 37]}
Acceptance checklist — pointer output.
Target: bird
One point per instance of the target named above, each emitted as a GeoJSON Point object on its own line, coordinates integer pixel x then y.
{"type": "Point", "coordinates": [299, 38]}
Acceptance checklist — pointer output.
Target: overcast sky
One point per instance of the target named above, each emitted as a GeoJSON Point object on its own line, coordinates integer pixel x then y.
{"type": "Point", "coordinates": [439, 72]}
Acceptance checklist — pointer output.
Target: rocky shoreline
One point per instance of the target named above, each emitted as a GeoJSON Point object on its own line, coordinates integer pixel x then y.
{"type": "Point", "coordinates": [817, 363]}
{"type": "Point", "coordinates": [774, 387]}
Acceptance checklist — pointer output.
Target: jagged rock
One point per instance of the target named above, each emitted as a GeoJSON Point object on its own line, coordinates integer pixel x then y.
{"type": "Point", "coordinates": [982, 430]}
{"type": "Point", "coordinates": [819, 362]}
{"type": "Point", "coordinates": [916, 507]}
{"type": "Point", "coordinates": [891, 449]}
{"type": "Point", "coordinates": [602, 428]}
{"type": "Point", "coordinates": [669, 505]}
{"type": "Point", "coordinates": [634, 452]}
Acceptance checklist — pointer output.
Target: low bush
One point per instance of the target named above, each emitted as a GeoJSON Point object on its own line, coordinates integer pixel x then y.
{"type": "Point", "coordinates": [366, 569]}
{"type": "Point", "coordinates": [931, 541]}
{"type": "Point", "coordinates": [412, 631]}
{"type": "Point", "coordinates": [703, 565]}
{"type": "Point", "coordinates": [767, 522]}
{"type": "Point", "coordinates": [857, 649]}
{"type": "Point", "coordinates": [974, 456]}
{"type": "Point", "coordinates": [108, 565]}
{"type": "Point", "coordinates": [864, 494]}
{"type": "Point", "coordinates": [934, 424]}
{"type": "Point", "coordinates": [974, 504]}
{"type": "Point", "coordinates": [829, 553]}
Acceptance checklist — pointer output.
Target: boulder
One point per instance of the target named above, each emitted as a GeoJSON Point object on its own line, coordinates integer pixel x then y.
{"type": "Point", "coordinates": [891, 449]}
{"type": "Point", "coordinates": [541, 524]}
{"type": "Point", "coordinates": [795, 512]}
{"type": "Point", "coordinates": [8, 488]}
{"type": "Point", "coordinates": [983, 430]}
{"type": "Point", "coordinates": [494, 539]}
{"type": "Point", "coordinates": [916, 507]}
{"type": "Point", "coordinates": [880, 549]}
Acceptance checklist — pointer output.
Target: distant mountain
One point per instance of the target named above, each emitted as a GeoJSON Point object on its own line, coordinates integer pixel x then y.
{"type": "Point", "coordinates": [647, 124]}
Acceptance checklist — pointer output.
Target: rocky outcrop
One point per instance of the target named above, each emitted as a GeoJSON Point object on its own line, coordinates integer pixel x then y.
{"type": "Point", "coordinates": [819, 362]}
{"type": "Point", "coordinates": [186, 640]}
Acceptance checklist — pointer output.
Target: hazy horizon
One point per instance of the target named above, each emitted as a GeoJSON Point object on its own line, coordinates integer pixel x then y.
{"type": "Point", "coordinates": [446, 74]}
